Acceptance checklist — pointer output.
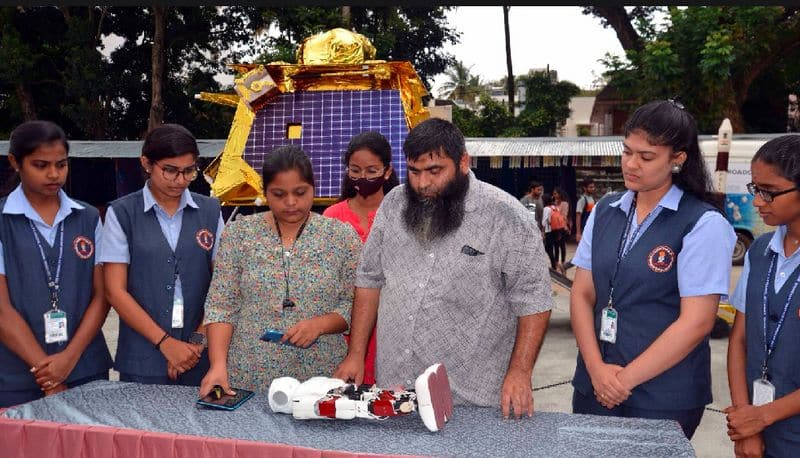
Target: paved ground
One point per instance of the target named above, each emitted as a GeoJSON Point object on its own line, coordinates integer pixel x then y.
{"type": "Point", "coordinates": [556, 364]}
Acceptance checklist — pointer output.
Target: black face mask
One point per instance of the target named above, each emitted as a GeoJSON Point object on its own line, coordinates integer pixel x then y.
{"type": "Point", "coordinates": [367, 187]}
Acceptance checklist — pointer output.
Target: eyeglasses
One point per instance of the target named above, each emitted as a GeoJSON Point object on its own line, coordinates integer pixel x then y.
{"type": "Point", "coordinates": [370, 173]}
{"type": "Point", "coordinates": [171, 173]}
{"type": "Point", "coordinates": [767, 196]}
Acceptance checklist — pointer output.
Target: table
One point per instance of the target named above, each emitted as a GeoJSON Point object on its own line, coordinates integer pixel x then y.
{"type": "Point", "coordinates": [122, 419]}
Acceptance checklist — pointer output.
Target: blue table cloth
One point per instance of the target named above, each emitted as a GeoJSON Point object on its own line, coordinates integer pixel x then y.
{"type": "Point", "coordinates": [473, 431]}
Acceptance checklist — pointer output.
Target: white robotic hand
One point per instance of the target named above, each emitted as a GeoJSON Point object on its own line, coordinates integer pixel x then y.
{"type": "Point", "coordinates": [329, 398]}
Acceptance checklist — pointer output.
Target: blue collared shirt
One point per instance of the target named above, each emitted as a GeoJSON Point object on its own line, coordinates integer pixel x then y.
{"type": "Point", "coordinates": [18, 204]}
{"type": "Point", "coordinates": [704, 263]}
{"type": "Point", "coordinates": [783, 269]}
{"type": "Point", "coordinates": [116, 243]}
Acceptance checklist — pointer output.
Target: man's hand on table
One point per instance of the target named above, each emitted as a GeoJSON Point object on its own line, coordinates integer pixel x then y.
{"type": "Point", "coordinates": [516, 394]}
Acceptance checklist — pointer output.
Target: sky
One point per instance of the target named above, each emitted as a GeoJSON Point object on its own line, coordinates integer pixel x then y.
{"type": "Point", "coordinates": [559, 36]}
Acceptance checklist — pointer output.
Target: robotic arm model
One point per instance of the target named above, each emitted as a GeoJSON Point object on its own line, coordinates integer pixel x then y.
{"type": "Point", "coordinates": [329, 398]}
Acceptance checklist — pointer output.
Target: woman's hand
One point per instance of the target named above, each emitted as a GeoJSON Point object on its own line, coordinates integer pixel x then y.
{"type": "Point", "coordinates": [610, 392]}
{"type": "Point", "coordinates": [182, 355]}
{"type": "Point", "coordinates": [745, 421]}
{"type": "Point", "coordinates": [54, 369]}
{"type": "Point", "coordinates": [749, 447]}
{"type": "Point", "coordinates": [55, 390]}
{"type": "Point", "coordinates": [303, 333]}
{"type": "Point", "coordinates": [215, 376]}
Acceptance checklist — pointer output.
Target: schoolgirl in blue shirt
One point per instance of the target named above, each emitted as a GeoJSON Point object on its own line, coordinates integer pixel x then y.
{"type": "Point", "coordinates": [763, 358]}
{"type": "Point", "coordinates": [161, 243]}
{"type": "Point", "coordinates": [652, 265]}
{"type": "Point", "coordinates": [51, 285]}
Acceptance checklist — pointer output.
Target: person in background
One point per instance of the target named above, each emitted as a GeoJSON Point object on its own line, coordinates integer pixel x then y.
{"type": "Point", "coordinates": [289, 271]}
{"type": "Point", "coordinates": [584, 206]}
{"type": "Point", "coordinates": [764, 418]}
{"type": "Point", "coordinates": [550, 243]}
{"type": "Point", "coordinates": [560, 231]}
{"type": "Point", "coordinates": [368, 177]}
{"type": "Point", "coordinates": [159, 251]}
{"type": "Point", "coordinates": [651, 267]}
{"type": "Point", "coordinates": [534, 197]}
{"type": "Point", "coordinates": [453, 271]}
{"type": "Point", "coordinates": [51, 282]}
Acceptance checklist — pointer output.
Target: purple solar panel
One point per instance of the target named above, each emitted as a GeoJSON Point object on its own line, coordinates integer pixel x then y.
{"type": "Point", "coordinates": [329, 119]}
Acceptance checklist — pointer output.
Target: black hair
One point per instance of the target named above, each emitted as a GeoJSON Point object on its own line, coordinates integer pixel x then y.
{"type": "Point", "coordinates": [285, 158]}
{"type": "Point", "coordinates": [379, 146]}
{"type": "Point", "coordinates": [784, 154]}
{"type": "Point", "coordinates": [27, 138]}
{"type": "Point", "coordinates": [667, 123]}
{"type": "Point", "coordinates": [547, 199]}
{"type": "Point", "coordinates": [561, 194]}
{"type": "Point", "coordinates": [534, 184]}
{"type": "Point", "coordinates": [435, 135]}
{"type": "Point", "coordinates": [586, 182]}
{"type": "Point", "coordinates": [168, 141]}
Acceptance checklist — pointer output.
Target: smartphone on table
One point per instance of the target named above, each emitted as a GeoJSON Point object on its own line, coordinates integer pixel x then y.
{"type": "Point", "coordinates": [217, 399]}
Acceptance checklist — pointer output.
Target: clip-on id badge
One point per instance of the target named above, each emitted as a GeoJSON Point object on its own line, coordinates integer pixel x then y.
{"type": "Point", "coordinates": [608, 324]}
{"type": "Point", "coordinates": [55, 326]}
{"type": "Point", "coordinates": [763, 391]}
{"type": "Point", "coordinates": [177, 313]}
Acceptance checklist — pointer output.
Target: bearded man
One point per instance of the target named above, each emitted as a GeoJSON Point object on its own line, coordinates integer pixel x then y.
{"type": "Point", "coordinates": [447, 274]}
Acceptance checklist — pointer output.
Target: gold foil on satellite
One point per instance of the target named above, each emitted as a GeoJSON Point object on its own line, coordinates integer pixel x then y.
{"type": "Point", "coordinates": [336, 46]}
{"type": "Point", "coordinates": [233, 181]}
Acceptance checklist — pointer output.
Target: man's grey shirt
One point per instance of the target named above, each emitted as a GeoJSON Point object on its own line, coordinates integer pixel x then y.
{"type": "Point", "coordinates": [455, 300]}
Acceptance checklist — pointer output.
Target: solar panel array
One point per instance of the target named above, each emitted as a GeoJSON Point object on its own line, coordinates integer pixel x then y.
{"type": "Point", "coordinates": [329, 119]}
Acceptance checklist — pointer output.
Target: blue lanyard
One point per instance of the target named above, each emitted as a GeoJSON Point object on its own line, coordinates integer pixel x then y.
{"type": "Point", "coordinates": [52, 283]}
{"type": "Point", "coordinates": [769, 347]}
{"type": "Point", "coordinates": [625, 243]}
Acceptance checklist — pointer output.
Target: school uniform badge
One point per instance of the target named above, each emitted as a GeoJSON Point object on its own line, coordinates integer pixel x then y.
{"type": "Point", "coordinates": [661, 259]}
{"type": "Point", "coordinates": [83, 247]}
{"type": "Point", "coordinates": [205, 239]}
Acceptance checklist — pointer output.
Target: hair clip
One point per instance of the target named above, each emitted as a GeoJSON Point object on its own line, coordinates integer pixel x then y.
{"type": "Point", "coordinates": [676, 102]}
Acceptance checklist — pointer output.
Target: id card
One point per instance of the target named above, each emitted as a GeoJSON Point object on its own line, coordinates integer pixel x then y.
{"type": "Point", "coordinates": [608, 325]}
{"type": "Point", "coordinates": [177, 313]}
{"type": "Point", "coordinates": [55, 326]}
{"type": "Point", "coordinates": [763, 392]}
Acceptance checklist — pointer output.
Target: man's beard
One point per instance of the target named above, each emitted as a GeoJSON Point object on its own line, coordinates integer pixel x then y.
{"type": "Point", "coordinates": [429, 219]}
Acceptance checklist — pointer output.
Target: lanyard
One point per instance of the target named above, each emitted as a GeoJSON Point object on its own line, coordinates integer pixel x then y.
{"type": "Point", "coordinates": [52, 283]}
{"type": "Point", "coordinates": [769, 346]}
{"type": "Point", "coordinates": [287, 302]}
{"type": "Point", "coordinates": [625, 244]}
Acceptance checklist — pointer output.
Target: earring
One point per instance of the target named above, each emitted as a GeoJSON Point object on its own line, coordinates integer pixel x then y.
{"type": "Point", "coordinates": [676, 168]}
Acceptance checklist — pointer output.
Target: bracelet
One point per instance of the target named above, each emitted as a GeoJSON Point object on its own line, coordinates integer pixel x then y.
{"type": "Point", "coordinates": [158, 345]}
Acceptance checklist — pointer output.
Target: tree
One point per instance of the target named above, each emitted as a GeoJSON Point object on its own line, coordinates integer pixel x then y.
{"type": "Point", "coordinates": [461, 85]}
{"type": "Point", "coordinates": [546, 106]}
{"type": "Point", "coordinates": [417, 35]}
{"type": "Point", "coordinates": [467, 121]}
{"type": "Point", "coordinates": [494, 119]}
{"type": "Point", "coordinates": [713, 57]}
{"type": "Point", "coordinates": [198, 42]}
{"type": "Point", "coordinates": [510, 79]}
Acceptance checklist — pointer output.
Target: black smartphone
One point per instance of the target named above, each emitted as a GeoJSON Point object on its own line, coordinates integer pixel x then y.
{"type": "Point", "coordinates": [225, 401]}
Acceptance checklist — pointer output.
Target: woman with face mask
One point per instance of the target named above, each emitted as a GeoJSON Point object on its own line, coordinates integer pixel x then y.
{"type": "Point", "coordinates": [369, 176]}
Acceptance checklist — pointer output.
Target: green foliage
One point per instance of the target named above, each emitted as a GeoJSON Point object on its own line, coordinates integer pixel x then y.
{"type": "Point", "coordinates": [717, 58]}
{"type": "Point", "coordinates": [494, 119]}
{"type": "Point", "coordinates": [546, 104]}
{"type": "Point", "coordinates": [467, 121]}
{"type": "Point", "coordinates": [461, 85]}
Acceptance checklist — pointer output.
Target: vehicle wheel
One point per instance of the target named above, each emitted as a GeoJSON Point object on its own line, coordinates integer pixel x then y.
{"type": "Point", "coordinates": [743, 242]}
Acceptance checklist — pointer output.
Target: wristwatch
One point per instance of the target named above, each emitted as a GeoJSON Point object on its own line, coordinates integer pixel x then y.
{"type": "Point", "coordinates": [198, 338]}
